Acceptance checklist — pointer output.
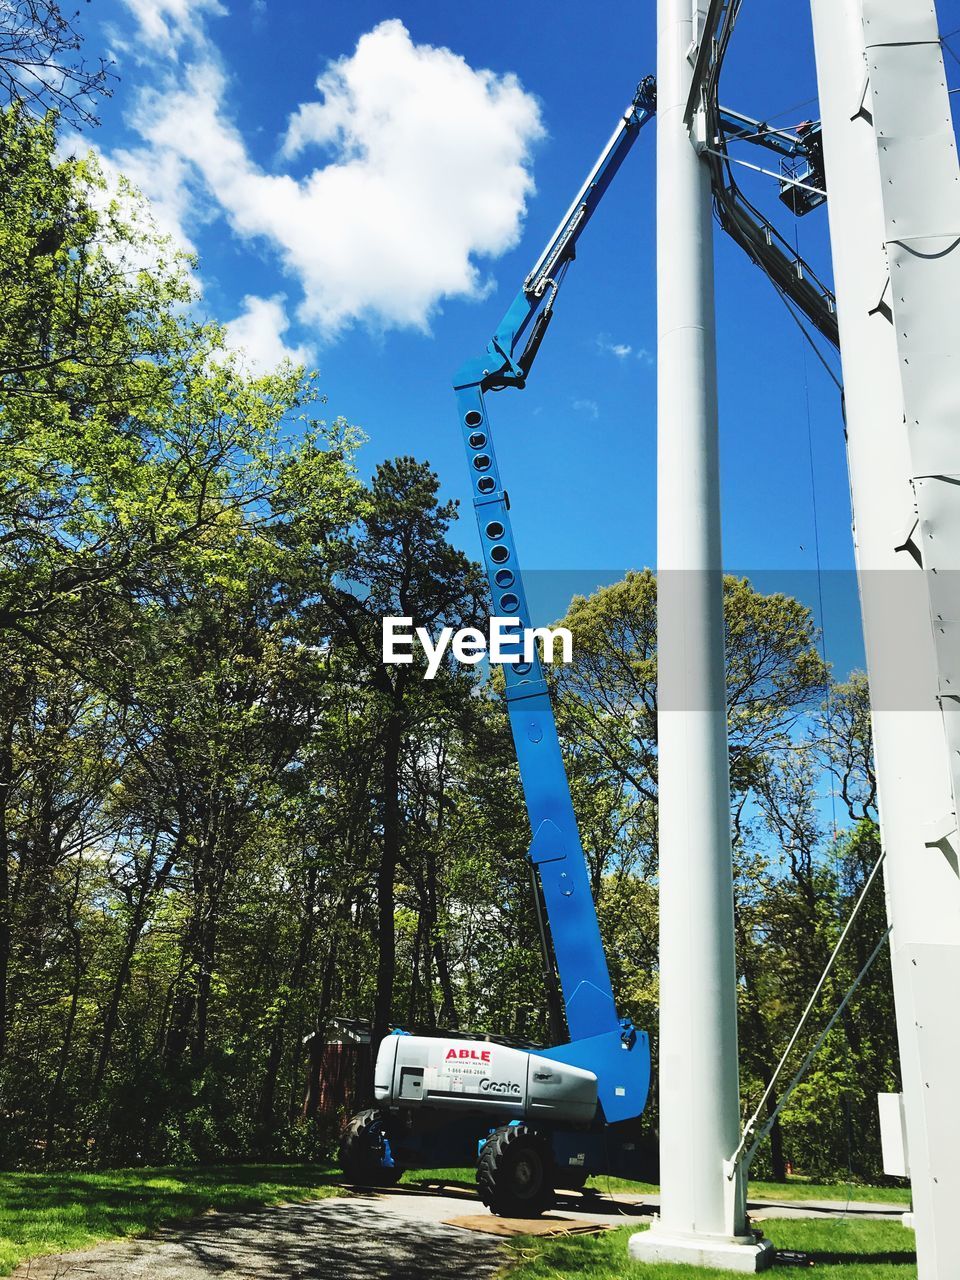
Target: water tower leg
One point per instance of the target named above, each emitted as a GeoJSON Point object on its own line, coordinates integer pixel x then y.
{"type": "Point", "coordinates": [702, 1219]}
{"type": "Point", "coordinates": [893, 184]}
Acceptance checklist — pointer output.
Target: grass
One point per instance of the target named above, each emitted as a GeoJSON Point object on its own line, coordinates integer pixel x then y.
{"type": "Point", "coordinates": [52, 1212]}
{"type": "Point", "coordinates": [800, 1189]}
{"type": "Point", "coordinates": [840, 1250]}
{"type": "Point", "coordinates": [795, 1189]}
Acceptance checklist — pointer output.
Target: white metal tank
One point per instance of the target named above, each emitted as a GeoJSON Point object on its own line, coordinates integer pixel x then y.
{"type": "Point", "coordinates": [474, 1075]}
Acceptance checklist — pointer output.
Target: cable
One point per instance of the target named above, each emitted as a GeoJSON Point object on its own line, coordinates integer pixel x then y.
{"type": "Point", "coordinates": [816, 547]}
{"type": "Point", "coordinates": [796, 107]}
{"type": "Point", "coordinates": [732, 209]}
{"type": "Point", "coordinates": [751, 1123]}
{"type": "Point", "coordinates": [809, 337]}
{"type": "Point", "coordinates": [801, 1072]}
{"type": "Point", "coordinates": [733, 193]}
{"type": "Point", "coordinates": [793, 182]}
{"type": "Point", "coordinates": [830, 737]}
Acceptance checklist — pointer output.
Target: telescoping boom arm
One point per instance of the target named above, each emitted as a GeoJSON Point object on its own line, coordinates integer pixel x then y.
{"type": "Point", "coordinates": [516, 342]}
{"type": "Point", "coordinates": [556, 851]}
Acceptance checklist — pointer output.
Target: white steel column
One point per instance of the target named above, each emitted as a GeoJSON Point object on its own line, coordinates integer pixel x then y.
{"type": "Point", "coordinates": [702, 1217]}
{"type": "Point", "coordinates": [917, 809]}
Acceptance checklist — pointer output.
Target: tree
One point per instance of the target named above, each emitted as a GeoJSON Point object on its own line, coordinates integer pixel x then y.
{"type": "Point", "coordinates": [846, 746]}
{"type": "Point", "coordinates": [226, 823]}
{"type": "Point", "coordinates": [155, 690]}
{"type": "Point", "coordinates": [608, 699]}
{"type": "Point", "coordinates": [792, 903]}
{"type": "Point", "coordinates": [401, 565]}
{"type": "Point", "coordinates": [40, 62]}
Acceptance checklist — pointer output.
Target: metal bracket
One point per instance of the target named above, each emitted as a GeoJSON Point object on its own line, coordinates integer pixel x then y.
{"type": "Point", "coordinates": [530, 689]}
{"type": "Point", "coordinates": [883, 307]}
{"type": "Point", "coordinates": [547, 844]}
{"type": "Point", "coordinates": [940, 832]}
{"type": "Point", "coordinates": [499, 495]}
{"type": "Point", "coordinates": [910, 546]}
{"type": "Point", "coordinates": [698, 131]}
{"type": "Point", "coordinates": [862, 113]}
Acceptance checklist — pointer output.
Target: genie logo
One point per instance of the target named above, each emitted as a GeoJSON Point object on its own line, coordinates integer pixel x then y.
{"type": "Point", "coordinates": [509, 1087]}
{"type": "Point", "coordinates": [468, 1055]}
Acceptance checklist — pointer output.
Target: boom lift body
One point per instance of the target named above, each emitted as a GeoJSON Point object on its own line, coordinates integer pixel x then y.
{"type": "Point", "coordinates": [569, 1110]}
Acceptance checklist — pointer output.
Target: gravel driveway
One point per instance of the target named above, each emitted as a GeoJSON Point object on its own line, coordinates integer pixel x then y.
{"type": "Point", "coordinates": [393, 1235]}
{"type": "Point", "coordinates": [349, 1239]}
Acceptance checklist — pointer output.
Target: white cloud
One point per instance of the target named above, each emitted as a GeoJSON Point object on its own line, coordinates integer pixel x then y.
{"type": "Point", "coordinates": [589, 407]}
{"type": "Point", "coordinates": [425, 168]}
{"type": "Point", "coordinates": [622, 349]}
{"type": "Point", "coordinates": [619, 349]}
{"type": "Point", "coordinates": [163, 25]}
{"type": "Point", "coordinates": [157, 176]}
{"type": "Point", "coordinates": [161, 177]}
{"type": "Point", "coordinates": [257, 334]}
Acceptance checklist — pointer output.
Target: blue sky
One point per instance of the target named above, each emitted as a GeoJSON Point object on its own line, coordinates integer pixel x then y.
{"type": "Point", "coordinates": [380, 226]}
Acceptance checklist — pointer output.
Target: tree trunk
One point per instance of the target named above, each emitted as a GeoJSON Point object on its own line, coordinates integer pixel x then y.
{"type": "Point", "coordinates": [6, 781]}
{"type": "Point", "coordinates": [764, 1049]}
{"type": "Point", "coordinates": [188, 1020]}
{"type": "Point", "coordinates": [777, 1158]}
{"type": "Point", "coordinates": [448, 1009]}
{"type": "Point", "coordinates": [386, 878]}
{"type": "Point", "coordinates": [56, 1094]}
{"type": "Point", "coordinates": [268, 1087]}
{"type": "Point", "coordinates": [123, 971]}
{"type": "Point", "coordinates": [416, 981]}
{"type": "Point", "coordinates": [311, 1100]}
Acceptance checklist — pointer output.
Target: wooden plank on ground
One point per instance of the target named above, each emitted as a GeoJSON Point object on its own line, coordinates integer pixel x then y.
{"type": "Point", "coordinates": [495, 1226]}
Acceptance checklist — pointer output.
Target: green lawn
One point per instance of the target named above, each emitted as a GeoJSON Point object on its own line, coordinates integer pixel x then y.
{"type": "Point", "coordinates": [800, 1189]}
{"type": "Point", "coordinates": [795, 1189]}
{"type": "Point", "coordinates": [840, 1250]}
{"type": "Point", "coordinates": [50, 1212]}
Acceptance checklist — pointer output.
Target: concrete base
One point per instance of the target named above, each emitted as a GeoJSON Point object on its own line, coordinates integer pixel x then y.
{"type": "Point", "coordinates": [745, 1254]}
{"type": "Point", "coordinates": [907, 1220]}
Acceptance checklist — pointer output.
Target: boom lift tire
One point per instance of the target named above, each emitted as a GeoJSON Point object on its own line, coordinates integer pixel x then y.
{"type": "Point", "coordinates": [515, 1173]}
{"type": "Point", "coordinates": [572, 1178]}
{"type": "Point", "coordinates": [361, 1152]}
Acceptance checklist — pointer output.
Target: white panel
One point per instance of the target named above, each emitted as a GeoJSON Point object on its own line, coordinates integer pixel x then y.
{"type": "Point", "coordinates": [920, 192]}
{"type": "Point", "coordinates": [950, 705]}
{"type": "Point", "coordinates": [893, 1135]}
{"type": "Point", "coordinates": [921, 876]}
{"type": "Point", "coordinates": [893, 21]}
{"type": "Point", "coordinates": [938, 501]}
{"type": "Point", "coordinates": [934, 973]}
{"type": "Point", "coordinates": [918, 153]}
{"type": "Point", "coordinates": [925, 285]}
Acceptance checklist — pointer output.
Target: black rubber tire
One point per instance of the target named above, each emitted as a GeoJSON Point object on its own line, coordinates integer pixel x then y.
{"type": "Point", "coordinates": [515, 1173]}
{"type": "Point", "coordinates": [361, 1150]}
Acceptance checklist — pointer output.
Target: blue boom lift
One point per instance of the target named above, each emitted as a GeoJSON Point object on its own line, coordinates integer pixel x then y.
{"type": "Point", "coordinates": [546, 1117]}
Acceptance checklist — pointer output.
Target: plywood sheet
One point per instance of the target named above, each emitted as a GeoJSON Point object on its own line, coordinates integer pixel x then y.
{"type": "Point", "coordinates": [550, 1226]}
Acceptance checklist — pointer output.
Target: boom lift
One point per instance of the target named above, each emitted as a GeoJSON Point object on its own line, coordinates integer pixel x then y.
{"type": "Point", "coordinates": [546, 1117]}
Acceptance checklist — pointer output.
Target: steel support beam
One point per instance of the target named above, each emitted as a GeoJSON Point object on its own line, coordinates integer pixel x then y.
{"type": "Point", "coordinates": [895, 222]}
{"type": "Point", "coordinates": [702, 1218]}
